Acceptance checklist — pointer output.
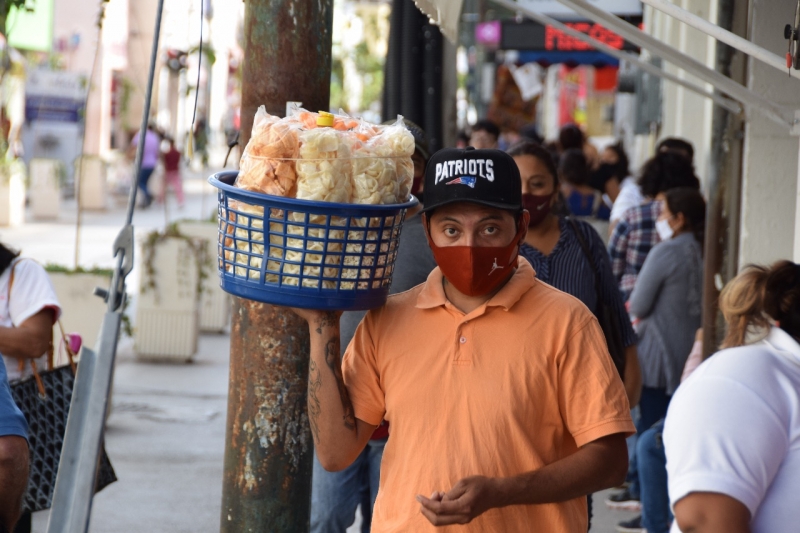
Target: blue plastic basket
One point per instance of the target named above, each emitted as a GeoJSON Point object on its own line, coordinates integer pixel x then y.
{"type": "Point", "coordinates": [298, 253]}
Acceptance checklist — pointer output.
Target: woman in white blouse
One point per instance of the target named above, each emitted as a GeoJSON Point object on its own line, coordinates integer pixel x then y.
{"type": "Point", "coordinates": [732, 433]}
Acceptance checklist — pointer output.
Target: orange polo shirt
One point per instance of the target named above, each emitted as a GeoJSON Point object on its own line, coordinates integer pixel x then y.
{"type": "Point", "coordinates": [519, 383]}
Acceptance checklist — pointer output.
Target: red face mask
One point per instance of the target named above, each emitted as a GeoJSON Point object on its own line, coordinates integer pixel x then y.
{"type": "Point", "coordinates": [538, 206]}
{"type": "Point", "coordinates": [476, 270]}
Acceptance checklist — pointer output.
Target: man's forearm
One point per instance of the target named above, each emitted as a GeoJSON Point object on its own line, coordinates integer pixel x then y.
{"type": "Point", "coordinates": [598, 465]}
{"type": "Point", "coordinates": [338, 436]}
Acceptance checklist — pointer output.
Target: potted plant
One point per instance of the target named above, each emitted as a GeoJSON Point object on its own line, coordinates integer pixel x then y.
{"type": "Point", "coordinates": [82, 311]}
{"type": "Point", "coordinates": [215, 304]}
{"type": "Point", "coordinates": [171, 278]}
{"type": "Point", "coordinates": [90, 182]}
{"type": "Point", "coordinates": [46, 177]}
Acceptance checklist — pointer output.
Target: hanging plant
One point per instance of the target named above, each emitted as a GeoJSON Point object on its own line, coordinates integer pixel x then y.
{"type": "Point", "coordinates": [197, 247]}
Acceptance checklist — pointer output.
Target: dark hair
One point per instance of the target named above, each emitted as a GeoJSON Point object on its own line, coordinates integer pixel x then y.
{"type": "Point", "coordinates": [665, 171]}
{"type": "Point", "coordinates": [622, 166]}
{"type": "Point", "coordinates": [539, 152]}
{"type": "Point", "coordinates": [488, 126]}
{"type": "Point", "coordinates": [6, 257]}
{"type": "Point", "coordinates": [530, 132]}
{"type": "Point", "coordinates": [573, 167]}
{"type": "Point", "coordinates": [757, 294]}
{"type": "Point", "coordinates": [691, 204]}
{"type": "Point", "coordinates": [678, 146]}
{"type": "Point", "coordinates": [462, 135]}
{"type": "Point", "coordinates": [571, 136]}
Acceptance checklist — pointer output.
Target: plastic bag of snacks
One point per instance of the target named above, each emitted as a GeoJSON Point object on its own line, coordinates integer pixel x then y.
{"type": "Point", "coordinates": [319, 157]}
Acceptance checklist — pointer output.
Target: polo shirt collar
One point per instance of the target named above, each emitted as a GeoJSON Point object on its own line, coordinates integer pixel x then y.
{"type": "Point", "coordinates": [432, 294]}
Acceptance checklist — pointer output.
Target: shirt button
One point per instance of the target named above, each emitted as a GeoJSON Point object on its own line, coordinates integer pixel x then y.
{"type": "Point", "coordinates": [463, 340]}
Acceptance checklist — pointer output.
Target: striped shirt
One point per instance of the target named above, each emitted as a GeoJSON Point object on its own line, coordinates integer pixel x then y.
{"type": "Point", "coordinates": [632, 240]}
{"type": "Point", "coordinates": [568, 269]}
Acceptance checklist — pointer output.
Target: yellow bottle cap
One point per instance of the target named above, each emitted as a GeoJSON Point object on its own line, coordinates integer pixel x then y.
{"type": "Point", "coordinates": [325, 119]}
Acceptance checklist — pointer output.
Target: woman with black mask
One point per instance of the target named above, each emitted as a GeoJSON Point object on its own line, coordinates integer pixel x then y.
{"type": "Point", "coordinates": [555, 246]}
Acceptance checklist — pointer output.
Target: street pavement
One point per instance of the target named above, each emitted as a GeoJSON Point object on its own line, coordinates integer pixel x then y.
{"type": "Point", "coordinates": [166, 431]}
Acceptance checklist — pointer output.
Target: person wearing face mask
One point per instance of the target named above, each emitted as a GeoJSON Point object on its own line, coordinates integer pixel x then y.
{"type": "Point", "coordinates": [505, 408]}
{"type": "Point", "coordinates": [667, 300]}
{"type": "Point", "coordinates": [555, 251]}
{"type": "Point", "coordinates": [635, 234]}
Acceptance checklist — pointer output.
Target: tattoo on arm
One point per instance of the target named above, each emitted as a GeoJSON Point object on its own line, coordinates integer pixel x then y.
{"type": "Point", "coordinates": [334, 361]}
{"type": "Point", "coordinates": [331, 318]}
{"type": "Point", "coordinates": [314, 406]}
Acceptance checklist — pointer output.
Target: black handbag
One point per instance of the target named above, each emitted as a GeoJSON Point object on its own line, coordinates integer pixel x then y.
{"type": "Point", "coordinates": [44, 399]}
{"type": "Point", "coordinates": [606, 316]}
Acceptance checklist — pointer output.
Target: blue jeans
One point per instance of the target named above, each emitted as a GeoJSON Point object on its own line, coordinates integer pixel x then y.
{"type": "Point", "coordinates": [652, 408]}
{"type": "Point", "coordinates": [144, 177]}
{"type": "Point", "coordinates": [336, 495]}
{"type": "Point", "coordinates": [656, 514]}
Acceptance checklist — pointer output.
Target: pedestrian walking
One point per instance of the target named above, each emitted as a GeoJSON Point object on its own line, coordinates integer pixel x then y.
{"type": "Point", "coordinates": [172, 174]}
{"type": "Point", "coordinates": [635, 234]}
{"type": "Point", "coordinates": [28, 309]}
{"type": "Point", "coordinates": [504, 406]}
{"type": "Point", "coordinates": [554, 249]}
{"type": "Point", "coordinates": [732, 433]}
{"type": "Point", "coordinates": [150, 156]}
{"type": "Point", "coordinates": [336, 495]}
{"type": "Point", "coordinates": [667, 302]}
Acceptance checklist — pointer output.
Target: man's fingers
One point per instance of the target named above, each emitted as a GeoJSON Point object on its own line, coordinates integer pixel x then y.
{"type": "Point", "coordinates": [443, 519]}
{"type": "Point", "coordinates": [441, 507]}
{"type": "Point", "coordinates": [456, 492]}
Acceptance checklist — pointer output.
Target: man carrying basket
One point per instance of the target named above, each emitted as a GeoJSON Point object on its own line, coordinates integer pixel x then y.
{"type": "Point", "coordinates": [505, 407]}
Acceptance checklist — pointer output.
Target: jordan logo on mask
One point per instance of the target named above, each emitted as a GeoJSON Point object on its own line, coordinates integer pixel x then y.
{"type": "Point", "coordinates": [495, 266]}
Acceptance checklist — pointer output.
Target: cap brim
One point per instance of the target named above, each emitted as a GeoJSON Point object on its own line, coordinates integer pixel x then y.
{"type": "Point", "coordinates": [498, 205]}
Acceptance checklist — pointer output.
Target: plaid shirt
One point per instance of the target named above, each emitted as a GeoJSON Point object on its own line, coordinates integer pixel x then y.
{"type": "Point", "coordinates": [633, 238]}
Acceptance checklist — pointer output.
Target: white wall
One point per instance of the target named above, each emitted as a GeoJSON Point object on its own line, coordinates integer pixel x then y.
{"type": "Point", "coordinates": [769, 189]}
{"type": "Point", "coordinates": [684, 113]}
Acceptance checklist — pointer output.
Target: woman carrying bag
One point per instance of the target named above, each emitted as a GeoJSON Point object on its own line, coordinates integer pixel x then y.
{"type": "Point", "coordinates": [570, 256]}
{"type": "Point", "coordinates": [28, 310]}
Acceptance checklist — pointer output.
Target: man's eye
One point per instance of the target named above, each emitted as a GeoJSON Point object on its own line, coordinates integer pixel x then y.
{"type": "Point", "coordinates": [491, 230]}
{"type": "Point", "coordinates": [450, 232]}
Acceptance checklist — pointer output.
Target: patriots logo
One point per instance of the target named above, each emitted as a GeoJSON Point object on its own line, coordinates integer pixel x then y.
{"type": "Point", "coordinates": [469, 181]}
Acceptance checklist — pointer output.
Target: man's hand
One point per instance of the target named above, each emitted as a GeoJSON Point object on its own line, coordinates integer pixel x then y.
{"type": "Point", "coordinates": [469, 498]}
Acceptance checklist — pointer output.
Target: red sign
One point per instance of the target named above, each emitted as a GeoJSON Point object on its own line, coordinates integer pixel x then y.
{"type": "Point", "coordinates": [555, 39]}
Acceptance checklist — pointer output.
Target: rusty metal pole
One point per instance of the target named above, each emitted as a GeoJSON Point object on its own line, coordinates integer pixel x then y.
{"type": "Point", "coordinates": [268, 449]}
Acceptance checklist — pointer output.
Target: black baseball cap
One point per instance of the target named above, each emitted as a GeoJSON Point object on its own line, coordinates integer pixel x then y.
{"type": "Point", "coordinates": [487, 177]}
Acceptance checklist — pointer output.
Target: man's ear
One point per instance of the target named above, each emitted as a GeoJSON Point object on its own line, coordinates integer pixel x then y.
{"type": "Point", "coordinates": [524, 220]}
{"type": "Point", "coordinates": [426, 224]}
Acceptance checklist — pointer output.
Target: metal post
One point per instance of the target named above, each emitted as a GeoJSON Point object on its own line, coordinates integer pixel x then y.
{"type": "Point", "coordinates": [268, 449]}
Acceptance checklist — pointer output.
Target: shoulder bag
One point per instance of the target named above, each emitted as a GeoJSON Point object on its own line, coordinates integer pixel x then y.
{"type": "Point", "coordinates": [606, 316]}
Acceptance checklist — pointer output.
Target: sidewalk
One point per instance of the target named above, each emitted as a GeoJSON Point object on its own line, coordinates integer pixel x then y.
{"type": "Point", "coordinates": [166, 431]}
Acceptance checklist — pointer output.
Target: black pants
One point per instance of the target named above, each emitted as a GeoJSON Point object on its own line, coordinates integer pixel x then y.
{"type": "Point", "coordinates": [25, 523]}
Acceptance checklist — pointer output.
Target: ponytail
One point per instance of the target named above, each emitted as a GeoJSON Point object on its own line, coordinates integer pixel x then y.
{"type": "Point", "coordinates": [757, 297]}
{"type": "Point", "coordinates": [742, 304]}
